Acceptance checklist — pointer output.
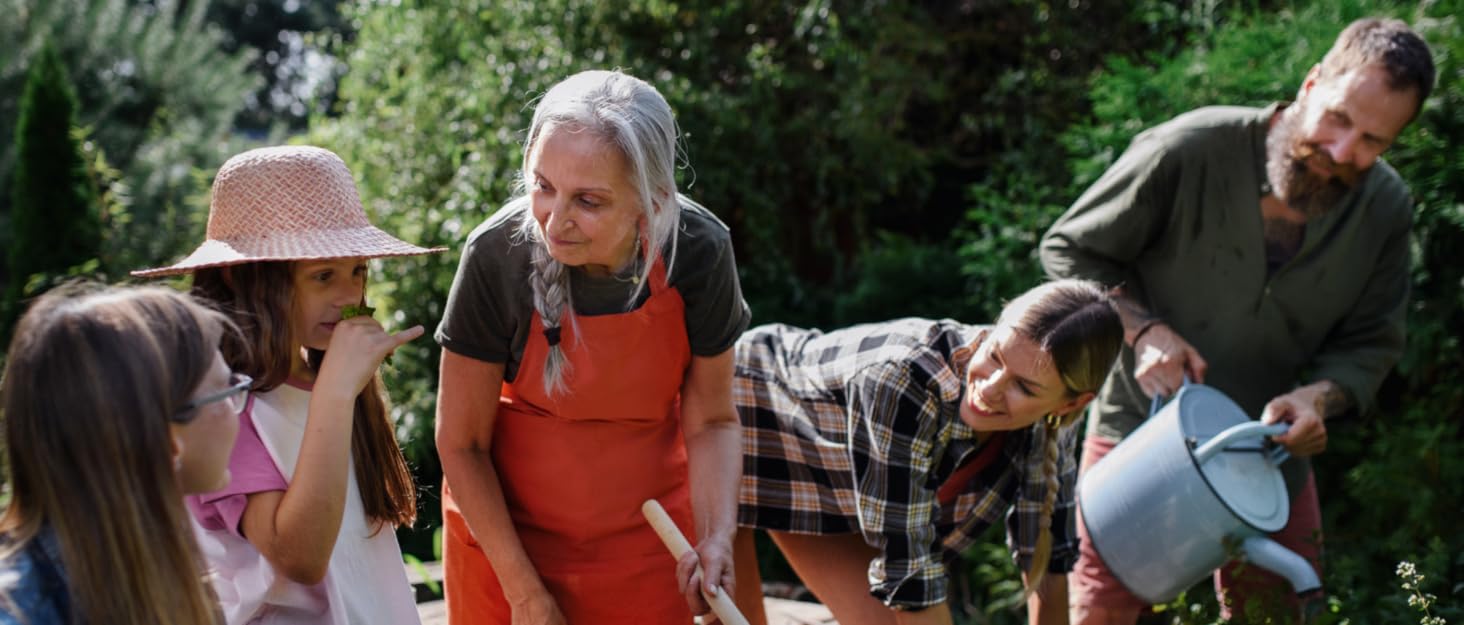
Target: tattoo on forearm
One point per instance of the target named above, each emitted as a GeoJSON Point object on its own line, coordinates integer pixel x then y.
{"type": "Point", "coordinates": [1333, 400]}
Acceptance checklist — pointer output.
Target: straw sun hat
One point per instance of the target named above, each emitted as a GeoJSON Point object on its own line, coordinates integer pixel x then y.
{"type": "Point", "coordinates": [286, 203]}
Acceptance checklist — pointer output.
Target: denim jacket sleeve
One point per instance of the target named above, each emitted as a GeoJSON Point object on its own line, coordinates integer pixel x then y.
{"type": "Point", "coordinates": [32, 589]}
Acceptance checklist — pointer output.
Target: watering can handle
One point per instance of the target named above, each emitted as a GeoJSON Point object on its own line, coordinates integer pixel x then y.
{"type": "Point", "coordinates": [1158, 400]}
{"type": "Point", "coordinates": [1252, 429]}
{"type": "Point", "coordinates": [1278, 454]}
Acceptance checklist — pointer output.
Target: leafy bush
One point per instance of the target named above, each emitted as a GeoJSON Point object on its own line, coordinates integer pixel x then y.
{"type": "Point", "coordinates": [299, 78]}
{"type": "Point", "coordinates": [1028, 181]}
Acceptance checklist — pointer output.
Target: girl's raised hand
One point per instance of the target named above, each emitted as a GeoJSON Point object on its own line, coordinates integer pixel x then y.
{"type": "Point", "coordinates": [357, 347]}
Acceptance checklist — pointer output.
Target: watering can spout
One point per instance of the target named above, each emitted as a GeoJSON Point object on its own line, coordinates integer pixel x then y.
{"type": "Point", "coordinates": [1270, 555]}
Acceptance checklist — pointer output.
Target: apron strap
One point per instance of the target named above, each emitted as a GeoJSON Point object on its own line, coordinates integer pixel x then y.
{"type": "Point", "coordinates": [975, 463]}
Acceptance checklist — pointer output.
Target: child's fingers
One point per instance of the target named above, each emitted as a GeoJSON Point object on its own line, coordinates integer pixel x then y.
{"type": "Point", "coordinates": [403, 337]}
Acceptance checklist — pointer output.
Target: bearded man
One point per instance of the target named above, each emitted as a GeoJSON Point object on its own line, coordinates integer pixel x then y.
{"type": "Point", "coordinates": [1263, 252]}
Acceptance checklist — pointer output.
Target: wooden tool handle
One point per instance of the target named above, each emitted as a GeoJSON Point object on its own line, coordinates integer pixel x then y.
{"type": "Point", "coordinates": [666, 528]}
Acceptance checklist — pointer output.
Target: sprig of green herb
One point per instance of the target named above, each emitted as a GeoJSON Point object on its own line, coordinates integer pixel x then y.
{"type": "Point", "coordinates": [348, 312]}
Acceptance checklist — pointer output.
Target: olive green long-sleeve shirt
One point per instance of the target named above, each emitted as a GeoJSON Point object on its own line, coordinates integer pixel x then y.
{"type": "Point", "coordinates": [1177, 221]}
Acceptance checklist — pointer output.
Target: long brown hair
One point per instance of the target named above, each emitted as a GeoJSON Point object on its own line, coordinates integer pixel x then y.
{"type": "Point", "coordinates": [93, 380]}
{"type": "Point", "coordinates": [1076, 323]}
{"type": "Point", "coordinates": [260, 298]}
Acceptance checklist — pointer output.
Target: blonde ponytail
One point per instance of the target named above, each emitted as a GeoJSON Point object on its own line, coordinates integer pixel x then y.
{"type": "Point", "coordinates": [1042, 554]}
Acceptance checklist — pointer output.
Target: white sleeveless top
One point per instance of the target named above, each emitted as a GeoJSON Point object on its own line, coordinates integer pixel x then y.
{"type": "Point", "coordinates": [365, 584]}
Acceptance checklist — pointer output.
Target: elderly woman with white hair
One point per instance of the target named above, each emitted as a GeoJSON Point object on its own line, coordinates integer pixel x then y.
{"type": "Point", "coordinates": [587, 367]}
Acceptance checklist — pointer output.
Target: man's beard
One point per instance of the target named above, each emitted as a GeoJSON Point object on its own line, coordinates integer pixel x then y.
{"type": "Point", "coordinates": [1293, 181]}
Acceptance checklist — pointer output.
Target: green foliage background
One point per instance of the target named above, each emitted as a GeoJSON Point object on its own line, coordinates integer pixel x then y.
{"type": "Point", "coordinates": [875, 159]}
{"type": "Point", "coordinates": [156, 100]}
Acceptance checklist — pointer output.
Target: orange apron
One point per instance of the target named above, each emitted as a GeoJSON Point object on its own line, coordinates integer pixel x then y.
{"type": "Point", "coordinates": [575, 469]}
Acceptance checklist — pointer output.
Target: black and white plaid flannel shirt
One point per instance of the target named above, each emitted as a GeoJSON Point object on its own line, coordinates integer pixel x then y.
{"type": "Point", "coordinates": [855, 430]}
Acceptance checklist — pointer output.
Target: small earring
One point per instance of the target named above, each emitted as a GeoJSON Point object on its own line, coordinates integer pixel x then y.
{"type": "Point", "coordinates": [1053, 421]}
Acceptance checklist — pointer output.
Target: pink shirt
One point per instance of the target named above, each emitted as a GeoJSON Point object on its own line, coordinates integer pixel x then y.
{"type": "Point", "coordinates": [365, 583]}
{"type": "Point", "coordinates": [251, 470]}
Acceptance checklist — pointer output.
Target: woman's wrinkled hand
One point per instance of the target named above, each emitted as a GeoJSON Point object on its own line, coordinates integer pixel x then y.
{"type": "Point", "coordinates": [706, 569]}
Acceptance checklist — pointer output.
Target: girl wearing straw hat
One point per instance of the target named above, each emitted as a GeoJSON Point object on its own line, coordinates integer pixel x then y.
{"type": "Point", "coordinates": [303, 532]}
{"type": "Point", "coordinates": [117, 402]}
{"type": "Point", "coordinates": [588, 333]}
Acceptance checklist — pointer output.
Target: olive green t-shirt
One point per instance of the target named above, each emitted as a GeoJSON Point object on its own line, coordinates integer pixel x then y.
{"type": "Point", "coordinates": [491, 305]}
{"type": "Point", "coordinates": [1177, 221]}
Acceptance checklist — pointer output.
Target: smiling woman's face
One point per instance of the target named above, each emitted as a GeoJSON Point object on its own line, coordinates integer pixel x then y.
{"type": "Point", "coordinates": [1011, 383]}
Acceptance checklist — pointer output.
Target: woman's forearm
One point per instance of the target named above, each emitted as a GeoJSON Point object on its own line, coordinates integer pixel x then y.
{"type": "Point", "coordinates": [479, 496]}
{"type": "Point", "coordinates": [714, 455]}
{"type": "Point", "coordinates": [713, 446]}
{"type": "Point", "coordinates": [467, 408]}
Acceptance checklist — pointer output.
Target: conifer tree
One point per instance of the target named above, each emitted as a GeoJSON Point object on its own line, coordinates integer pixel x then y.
{"type": "Point", "coordinates": [53, 222]}
{"type": "Point", "coordinates": [157, 93]}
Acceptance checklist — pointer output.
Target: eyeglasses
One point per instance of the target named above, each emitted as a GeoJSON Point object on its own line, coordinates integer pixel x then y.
{"type": "Point", "coordinates": [236, 396]}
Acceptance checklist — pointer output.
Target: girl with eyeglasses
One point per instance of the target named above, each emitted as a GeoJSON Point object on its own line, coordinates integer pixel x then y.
{"type": "Point", "coordinates": [304, 532]}
{"type": "Point", "coordinates": [117, 403]}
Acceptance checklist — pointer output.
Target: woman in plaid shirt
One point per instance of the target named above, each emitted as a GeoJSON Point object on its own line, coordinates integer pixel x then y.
{"type": "Point", "coordinates": [874, 453]}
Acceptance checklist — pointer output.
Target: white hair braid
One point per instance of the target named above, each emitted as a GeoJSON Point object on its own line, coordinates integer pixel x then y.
{"type": "Point", "coordinates": [549, 280]}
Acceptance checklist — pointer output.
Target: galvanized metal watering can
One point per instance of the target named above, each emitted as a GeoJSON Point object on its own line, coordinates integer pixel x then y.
{"type": "Point", "coordinates": [1185, 492]}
